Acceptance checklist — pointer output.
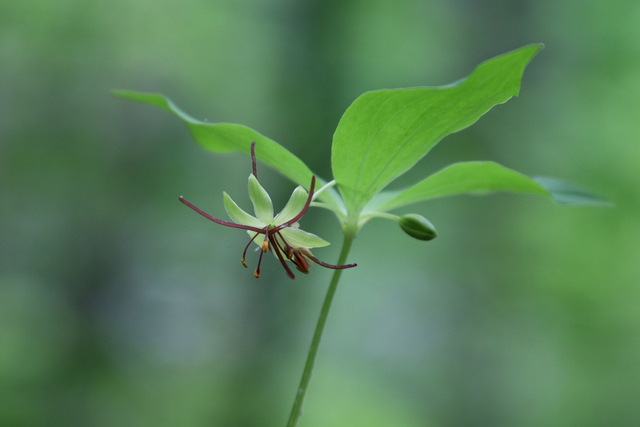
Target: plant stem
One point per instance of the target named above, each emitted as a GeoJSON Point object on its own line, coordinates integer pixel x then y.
{"type": "Point", "coordinates": [296, 411]}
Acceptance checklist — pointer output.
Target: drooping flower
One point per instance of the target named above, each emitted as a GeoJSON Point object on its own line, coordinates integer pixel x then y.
{"type": "Point", "coordinates": [281, 233]}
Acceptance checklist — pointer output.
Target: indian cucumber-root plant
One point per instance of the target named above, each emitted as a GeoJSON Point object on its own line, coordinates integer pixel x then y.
{"type": "Point", "coordinates": [382, 135]}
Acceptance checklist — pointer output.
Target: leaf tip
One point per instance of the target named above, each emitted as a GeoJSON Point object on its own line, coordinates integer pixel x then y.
{"type": "Point", "coordinates": [125, 94]}
{"type": "Point", "coordinates": [569, 194]}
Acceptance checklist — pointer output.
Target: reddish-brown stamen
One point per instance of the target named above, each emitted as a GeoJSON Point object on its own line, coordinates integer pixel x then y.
{"type": "Point", "coordinates": [244, 254]}
{"type": "Point", "coordinates": [301, 264]}
{"type": "Point", "coordinates": [287, 249]}
{"type": "Point", "coordinates": [265, 248]}
{"type": "Point", "coordinates": [276, 248]}
{"type": "Point", "coordinates": [257, 271]}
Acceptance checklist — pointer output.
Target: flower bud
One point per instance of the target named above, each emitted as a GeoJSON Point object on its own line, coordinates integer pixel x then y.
{"type": "Point", "coordinates": [417, 227]}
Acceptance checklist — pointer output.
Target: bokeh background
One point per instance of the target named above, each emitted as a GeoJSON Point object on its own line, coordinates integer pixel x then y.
{"type": "Point", "coordinates": [121, 307]}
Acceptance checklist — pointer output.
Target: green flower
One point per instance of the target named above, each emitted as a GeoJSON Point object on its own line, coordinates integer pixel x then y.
{"type": "Point", "coordinates": [281, 233]}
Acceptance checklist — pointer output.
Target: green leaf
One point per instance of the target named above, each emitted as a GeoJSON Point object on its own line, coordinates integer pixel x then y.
{"type": "Point", "coordinates": [229, 137]}
{"type": "Point", "coordinates": [384, 133]}
{"type": "Point", "coordinates": [566, 193]}
{"type": "Point", "coordinates": [484, 178]}
{"type": "Point", "coordinates": [465, 177]}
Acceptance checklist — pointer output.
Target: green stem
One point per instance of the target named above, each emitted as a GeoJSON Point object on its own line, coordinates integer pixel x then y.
{"type": "Point", "coordinates": [296, 411]}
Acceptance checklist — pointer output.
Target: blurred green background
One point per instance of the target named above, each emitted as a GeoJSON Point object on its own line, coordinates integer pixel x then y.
{"type": "Point", "coordinates": [121, 307]}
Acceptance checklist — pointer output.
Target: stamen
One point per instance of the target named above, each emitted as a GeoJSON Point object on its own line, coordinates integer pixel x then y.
{"type": "Point", "coordinates": [287, 250]}
{"type": "Point", "coordinates": [300, 262]}
{"type": "Point", "coordinates": [244, 254]}
{"type": "Point", "coordinates": [265, 248]}
{"type": "Point", "coordinates": [257, 272]}
{"type": "Point", "coordinates": [293, 255]}
{"type": "Point", "coordinates": [253, 158]}
{"type": "Point", "coordinates": [277, 249]}
{"type": "Point", "coordinates": [265, 242]}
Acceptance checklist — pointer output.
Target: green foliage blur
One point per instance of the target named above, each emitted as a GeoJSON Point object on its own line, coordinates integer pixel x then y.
{"type": "Point", "coordinates": [121, 307]}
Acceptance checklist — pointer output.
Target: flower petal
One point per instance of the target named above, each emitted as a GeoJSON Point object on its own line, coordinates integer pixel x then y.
{"type": "Point", "coordinates": [293, 207]}
{"type": "Point", "coordinates": [239, 216]}
{"type": "Point", "coordinates": [262, 204]}
{"type": "Point", "coordinates": [297, 238]}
